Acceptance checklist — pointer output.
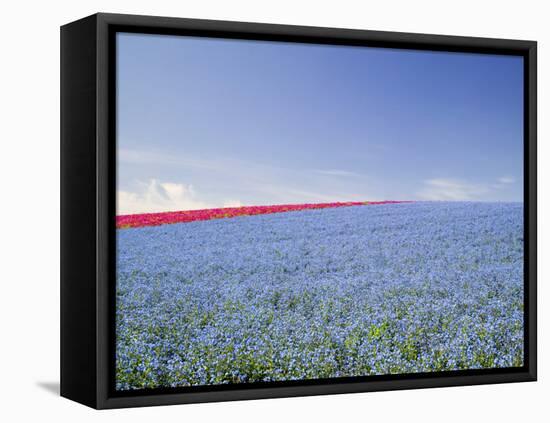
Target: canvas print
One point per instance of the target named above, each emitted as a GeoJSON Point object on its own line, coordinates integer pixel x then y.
{"type": "Point", "coordinates": [292, 211]}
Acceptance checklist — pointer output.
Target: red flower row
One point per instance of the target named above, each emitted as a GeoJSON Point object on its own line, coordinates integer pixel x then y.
{"type": "Point", "coordinates": [156, 219]}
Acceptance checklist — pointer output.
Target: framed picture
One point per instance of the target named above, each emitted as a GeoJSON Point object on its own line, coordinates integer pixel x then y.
{"type": "Point", "coordinates": [257, 211]}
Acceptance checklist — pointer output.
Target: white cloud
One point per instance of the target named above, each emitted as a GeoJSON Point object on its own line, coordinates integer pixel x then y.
{"type": "Point", "coordinates": [506, 180]}
{"type": "Point", "coordinates": [259, 183]}
{"type": "Point", "coordinates": [452, 190]}
{"type": "Point", "coordinates": [155, 196]}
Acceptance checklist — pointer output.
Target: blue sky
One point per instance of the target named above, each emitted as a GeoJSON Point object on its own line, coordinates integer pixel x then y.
{"type": "Point", "coordinates": [210, 123]}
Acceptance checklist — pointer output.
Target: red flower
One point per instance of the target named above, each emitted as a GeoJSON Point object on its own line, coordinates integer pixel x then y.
{"type": "Point", "coordinates": [156, 219]}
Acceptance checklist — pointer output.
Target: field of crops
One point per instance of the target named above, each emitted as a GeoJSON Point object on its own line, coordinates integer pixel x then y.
{"type": "Point", "coordinates": [333, 292]}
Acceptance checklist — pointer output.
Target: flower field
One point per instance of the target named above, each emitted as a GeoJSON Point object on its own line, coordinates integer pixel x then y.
{"type": "Point", "coordinates": [156, 219]}
{"type": "Point", "coordinates": [320, 293]}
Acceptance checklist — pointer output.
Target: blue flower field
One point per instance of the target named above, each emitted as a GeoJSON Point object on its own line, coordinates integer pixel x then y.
{"type": "Point", "coordinates": [337, 292]}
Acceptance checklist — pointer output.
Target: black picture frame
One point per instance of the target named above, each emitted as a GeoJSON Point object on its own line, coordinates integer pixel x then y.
{"type": "Point", "coordinates": [88, 208]}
